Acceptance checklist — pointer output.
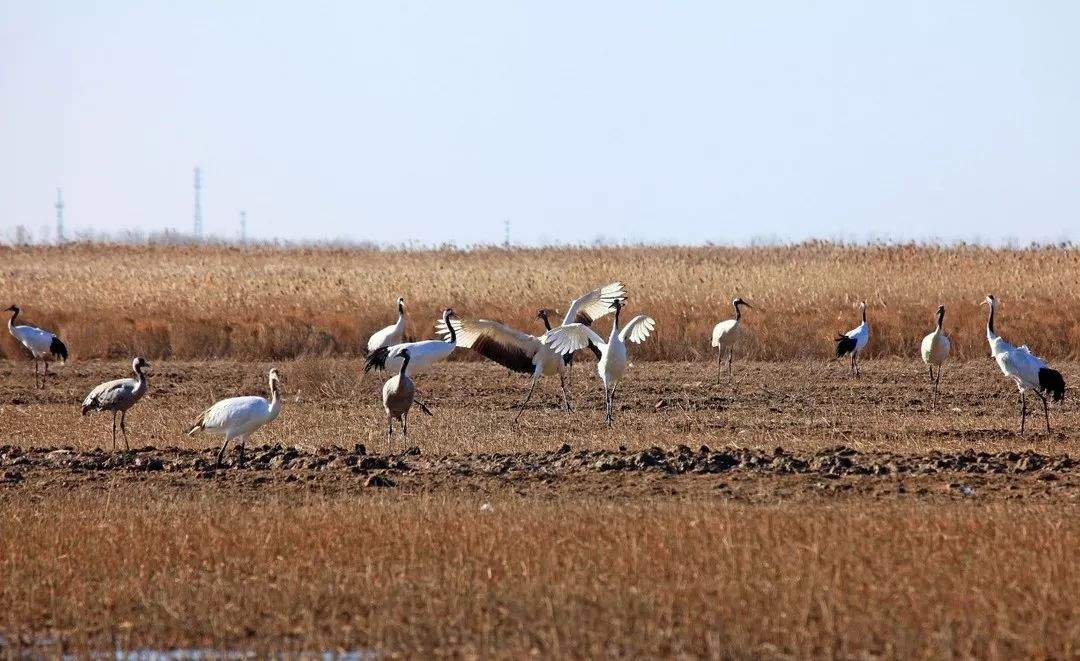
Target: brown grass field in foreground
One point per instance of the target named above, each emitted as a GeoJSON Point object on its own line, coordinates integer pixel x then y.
{"type": "Point", "coordinates": [271, 303]}
{"type": "Point", "coordinates": [438, 575]}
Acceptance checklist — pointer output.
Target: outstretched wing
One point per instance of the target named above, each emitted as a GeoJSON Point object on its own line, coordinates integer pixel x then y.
{"type": "Point", "coordinates": [595, 304]}
{"type": "Point", "coordinates": [495, 341]}
{"type": "Point", "coordinates": [571, 337]}
{"type": "Point", "coordinates": [638, 329]}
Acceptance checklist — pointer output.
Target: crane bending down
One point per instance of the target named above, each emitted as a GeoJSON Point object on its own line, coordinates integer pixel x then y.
{"type": "Point", "coordinates": [392, 334]}
{"type": "Point", "coordinates": [1025, 368]}
{"type": "Point", "coordinates": [240, 417]}
{"type": "Point", "coordinates": [935, 351]}
{"type": "Point", "coordinates": [397, 395]}
{"type": "Point", "coordinates": [118, 396]}
{"type": "Point", "coordinates": [42, 345]}
{"type": "Point", "coordinates": [854, 341]}
{"type": "Point", "coordinates": [613, 359]}
{"type": "Point", "coordinates": [724, 335]}
{"type": "Point", "coordinates": [527, 354]}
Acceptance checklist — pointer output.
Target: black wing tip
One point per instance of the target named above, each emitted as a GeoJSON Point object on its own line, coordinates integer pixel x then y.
{"type": "Point", "coordinates": [1051, 381]}
{"type": "Point", "coordinates": [57, 348]}
{"type": "Point", "coordinates": [376, 360]}
{"type": "Point", "coordinates": [844, 345]}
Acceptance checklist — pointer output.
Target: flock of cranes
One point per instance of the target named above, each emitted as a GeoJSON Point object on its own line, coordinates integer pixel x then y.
{"type": "Point", "coordinates": [552, 352]}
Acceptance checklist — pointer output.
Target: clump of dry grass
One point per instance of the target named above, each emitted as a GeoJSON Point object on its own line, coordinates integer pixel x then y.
{"type": "Point", "coordinates": [215, 301]}
{"type": "Point", "coordinates": [437, 575]}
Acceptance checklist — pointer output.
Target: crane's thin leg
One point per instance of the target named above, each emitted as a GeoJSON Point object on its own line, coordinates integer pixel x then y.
{"type": "Point", "coordinates": [243, 444]}
{"type": "Point", "coordinates": [729, 373]}
{"type": "Point", "coordinates": [37, 379]}
{"type": "Point", "coordinates": [389, 433]}
{"type": "Point", "coordinates": [45, 374]}
{"type": "Point", "coordinates": [1046, 410]}
{"type": "Point", "coordinates": [719, 363]}
{"type": "Point", "coordinates": [405, 428]}
{"type": "Point", "coordinates": [1023, 410]}
{"type": "Point", "coordinates": [565, 392]}
{"type": "Point", "coordinates": [528, 395]}
{"type": "Point", "coordinates": [931, 368]}
{"type": "Point", "coordinates": [221, 452]}
{"type": "Point", "coordinates": [123, 429]}
{"type": "Point", "coordinates": [611, 406]}
{"type": "Point", "coordinates": [937, 385]}
{"type": "Point", "coordinates": [114, 431]}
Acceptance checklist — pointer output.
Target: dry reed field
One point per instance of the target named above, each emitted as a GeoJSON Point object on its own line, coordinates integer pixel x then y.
{"type": "Point", "coordinates": [793, 512]}
{"type": "Point", "coordinates": [212, 302]}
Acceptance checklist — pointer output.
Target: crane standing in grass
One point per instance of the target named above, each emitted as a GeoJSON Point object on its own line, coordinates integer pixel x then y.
{"type": "Point", "coordinates": [613, 356]}
{"type": "Point", "coordinates": [854, 341]}
{"type": "Point", "coordinates": [240, 417]}
{"type": "Point", "coordinates": [422, 354]}
{"type": "Point", "coordinates": [935, 351]}
{"type": "Point", "coordinates": [42, 345]}
{"type": "Point", "coordinates": [118, 396]}
{"type": "Point", "coordinates": [725, 334]}
{"type": "Point", "coordinates": [397, 395]}
{"type": "Point", "coordinates": [392, 334]}
{"type": "Point", "coordinates": [1025, 368]}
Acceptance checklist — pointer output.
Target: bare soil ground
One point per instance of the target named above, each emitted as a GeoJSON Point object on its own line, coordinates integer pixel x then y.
{"type": "Point", "coordinates": [796, 511]}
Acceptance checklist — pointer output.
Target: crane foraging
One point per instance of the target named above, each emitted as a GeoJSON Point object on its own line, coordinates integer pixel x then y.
{"type": "Point", "coordinates": [392, 334]}
{"type": "Point", "coordinates": [854, 341]}
{"type": "Point", "coordinates": [42, 345]}
{"type": "Point", "coordinates": [397, 395]}
{"type": "Point", "coordinates": [1025, 368]}
{"type": "Point", "coordinates": [935, 350]}
{"type": "Point", "coordinates": [240, 417]}
{"type": "Point", "coordinates": [725, 334]}
{"type": "Point", "coordinates": [118, 396]}
{"type": "Point", "coordinates": [613, 355]}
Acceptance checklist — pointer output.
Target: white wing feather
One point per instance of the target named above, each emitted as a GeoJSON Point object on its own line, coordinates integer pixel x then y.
{"type": "Point", "coordinates": [469, 331]}
{"type": "Point", "coordinates": [572, 337]}
{"type": "Point", "coordinates": [595, 304]}
{"type": "Point", "coordinates": [723, 332]}
{"type": "Point", "coordinates": [38, 341]}
{"type": "Point", "coordinates": [638, 329]}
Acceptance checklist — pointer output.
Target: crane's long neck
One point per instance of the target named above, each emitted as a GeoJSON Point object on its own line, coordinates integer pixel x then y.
{"type": "Point", "coordinates": [450, 327]}
{"type": "Point", "coordinates": [404, 364]}
{"type": "Point", "coordinates": [11, 322]}
{"type": "Point", "coordinates": [275, 397]}
{"type": "Point", "coordinates": [615, 326]}
{"type": "Point", "coordinates": [547, 322]}
{"type": "Point", "coordinates": [940, 319]}
{"type": "Point", "coordinates": [864, 314]}
{"type": "Point", "coordinates": [400, 315]}
{"type": "Point", "coordinates": [990, 334]}
{"type": "Point", "coordinates": [738, 312]}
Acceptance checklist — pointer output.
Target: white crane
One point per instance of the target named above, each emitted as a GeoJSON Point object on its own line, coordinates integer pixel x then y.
{"type": "Point", "coordinates": [521, 352]}
{"type": "Point", "coordinates": [724, 335]}
{"type": "Point", "coordinates": [397, 395]}
{"type": "Point", "coordinates": [118, 396]}
{"type": "Point", "coordinates": [392, 334]}
{"type": "Point", "coordinates": [854, 341]}
{"type": "Point", "coordinates": [421, 354]}
{"type": "Point", "coordinates": [612, 364]}
{"type": "Point", "coordinates": [240, 417]}
{"type": "Point", "coordinates": [1025, 368]}
{"type": "Point", "coordinates": [935, 350]}
{"type": "Point", "coordinates": [42, 345]}
{"type": "Point", "coordinates": [586, 309]}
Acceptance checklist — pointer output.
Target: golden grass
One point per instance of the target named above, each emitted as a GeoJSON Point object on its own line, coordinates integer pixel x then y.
{"type": "Point", "coordinates": [205, 302]}
{"type": "Point", "coordinates": [435, 575]}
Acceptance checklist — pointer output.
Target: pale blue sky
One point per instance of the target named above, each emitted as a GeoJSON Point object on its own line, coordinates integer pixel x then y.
{"type": "Point", "coordinates": [670, 121]}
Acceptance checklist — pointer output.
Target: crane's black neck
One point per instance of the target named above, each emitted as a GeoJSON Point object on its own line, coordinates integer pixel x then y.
{"type": "Point", "coordinates": [864, 314]}
{"type": "Point", "coordinates": [139, 372]}
{"type": "Point", "coordinates": [401, 309]}
{"type": "Point", "coordinates": [940, 318]}
{"type": "Point", "coordinates": [618, 312]}
{"type": "Point", "coordinates": [14, 315]}
{"type": "Point", "coordinates": [404, 364]}
{"type": "Point", "coordinates": [738, 311]}
{"type": "Point", "coordinates": [450, 326]}
{"type": "Point", "coordinates": [990, 320]}
{"type": "Point", "coordinates": [547, 322]}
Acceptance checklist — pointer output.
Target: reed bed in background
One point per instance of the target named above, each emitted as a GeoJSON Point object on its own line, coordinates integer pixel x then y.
{"type": "Point", "coordinates": [272, 303]}
{"type": "Point", "coordinates": [440, 576]}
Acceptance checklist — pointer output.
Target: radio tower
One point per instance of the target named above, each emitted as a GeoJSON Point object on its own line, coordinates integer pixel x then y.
{"type": "Point", "coordinates": [506, 236]}
{"type": "Point", "coordinates": [59, 216]}
{"type": "Point", "coordinates": [243, 227]}
{"type": "Point", "coordinates": [198, 204]}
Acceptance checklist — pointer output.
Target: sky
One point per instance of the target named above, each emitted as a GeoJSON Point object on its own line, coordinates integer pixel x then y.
{"type": "Point", "coordinates": [667, 122]}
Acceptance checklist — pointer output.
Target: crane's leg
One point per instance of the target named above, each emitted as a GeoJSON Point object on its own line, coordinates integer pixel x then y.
{"type": "Point", "coordinates": [719, 363]}
{"type": "Point", "coordinates": [528, 395]}
{"type": "Point", "coordinates": [243, 444]}
{"type": "Point", "coordinates": [114, 431]}
{"type": "Point", "coordinates": [389, 432]}
{"type": "Point", "coordinates": [937, 383]}
{"type": "Point", "coordinates": [37, 379]}
{"type": "Point", "coordinates": [221, 452]}
{"type": "Point", "coordinates": [1023, 410]}
{"type": "Point", "coordinates": [123, 429]}
{"type": "Point", "coordinates": [45, 374]}
{"type": "Point", "coordinates": [1046, 410]}
{"type": "Point", "coordinates": [729, 373]}
{"type": "Point", "coordinates": [855, 361]}
{"type": "Point", "coordinates": [563, 381]}
{"type": "Point", "coordinates": [405, 428]}
{"type": "Point", "coordinates": [611, 405]}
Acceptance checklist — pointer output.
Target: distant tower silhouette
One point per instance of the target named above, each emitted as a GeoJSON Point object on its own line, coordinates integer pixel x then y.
{"type": "Point", "coordinates": [59, 216]}
{"type": "Point", "coordinates": [243, 227]}
{"type": "Point", "coordinates": [506, 238]}
{"type": "Point", "coordinates": [198, 203]}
